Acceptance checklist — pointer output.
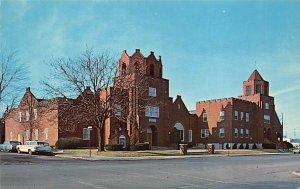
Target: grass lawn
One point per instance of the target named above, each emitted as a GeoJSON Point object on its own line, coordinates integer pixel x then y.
{"type": "Point", "coordinates": [163, 152]}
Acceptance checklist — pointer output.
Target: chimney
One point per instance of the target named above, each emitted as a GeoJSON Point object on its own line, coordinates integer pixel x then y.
{"type": "Point", "coordinates": [137, 50]}
{"type": "Point", "coordinates": [151, 52]}
{"type": "Point", "coordinates": [88, 88]}
{"type": "Point", "coordinates": [124, 51]}
{"type": "Point", "coordinates": [28, 89]}
{"type": "Point", "coordinates": [159, 58]}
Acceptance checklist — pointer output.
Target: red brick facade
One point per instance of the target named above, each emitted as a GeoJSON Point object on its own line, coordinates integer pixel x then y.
{"type": "Point", "coordinates": [229, 122]}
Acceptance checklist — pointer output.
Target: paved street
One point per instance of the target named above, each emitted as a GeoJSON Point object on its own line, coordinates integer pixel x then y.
{"type": "Point", "coordinates": [43, 172]}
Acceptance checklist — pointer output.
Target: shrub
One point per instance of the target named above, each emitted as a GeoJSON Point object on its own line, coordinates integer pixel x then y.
{"type": "Point", "coordinates": [140, 146]}
{"type": "Point", "coordinates": [247, 146]}
{"type": "Point", "coordinates": [241, 146]}
{"type": "Point", "coordinates": [114, 147]}
{"type": "Point", "coordinates": [234, 146]}
{"type": "Point", "coordinates": [68, 143]}
{"type": "Point", "coordinates": [254, 146]}
{"type": "Point", "coordinates": [268, 146]}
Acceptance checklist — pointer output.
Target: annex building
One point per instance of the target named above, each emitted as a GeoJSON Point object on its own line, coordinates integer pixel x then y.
{"type": "Point", "coordinates": [161, 120]}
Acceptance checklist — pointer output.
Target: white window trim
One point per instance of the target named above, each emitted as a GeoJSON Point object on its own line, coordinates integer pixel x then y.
{"type": "Point", "coordinates": [222, 115]}
{"type": "Point", "coordinates": [36, 134]}
{"type": "Point", "coordinates": [236, 133]}
{"type": "Point", "coordinates": [204, 118]}
{"type": "Point", "coordinates": [236, 115]}
{"type": "Point", "coordinates": [242, 115]}
{"type": "Point", "coordinates": [20, 116]}
{"type": "Point", "coordinates": [267, 119]}
{"type": "Point", "coordinates": [221, 129]}
{"type": "Point", "coordinates": [241, 133]}
{"type": "Point", "coordinates": [27, 116]}
{"type": "Point", "coordinates": [152, 91]}
{"type": "Point", "coordinates": [247, 133]}
{"type": "Point", "coordinates": [204, 132]}
{"type": "Point", "coordinates": [152, 111]}
{"type": "Point", "coordinates": [247, 117]}
{"type": "Point", "coordinates": [35, 114]}
{"type": "Point", "coordinates": [190, 135]}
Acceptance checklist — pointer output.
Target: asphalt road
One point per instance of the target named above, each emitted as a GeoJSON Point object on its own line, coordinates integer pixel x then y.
{"type": "Point", "coordinates": [44, 172]}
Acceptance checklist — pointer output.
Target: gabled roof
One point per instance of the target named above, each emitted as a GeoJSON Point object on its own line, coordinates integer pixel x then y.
{"type": "Point", "coordinates": [255, 76]}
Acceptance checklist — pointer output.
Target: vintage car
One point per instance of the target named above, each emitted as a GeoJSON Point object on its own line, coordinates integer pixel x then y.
{"type": "Point", "coordinates": [296, 150]}
{"type": "Point", "coordinates": [9, 146]}
{"type": "Point", "coordinates": [35, 147]}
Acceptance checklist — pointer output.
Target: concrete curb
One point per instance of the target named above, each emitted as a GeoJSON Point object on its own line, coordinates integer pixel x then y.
{"type": "Point", "coordinates": [297, 173]}
{"type": "Point", "coordinates": [106, 158]}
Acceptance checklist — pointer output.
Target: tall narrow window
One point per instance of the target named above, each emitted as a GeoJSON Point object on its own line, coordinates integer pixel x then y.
{"type": "Point", "coordinates": [242, 133]}
{"type": "Point", "coordinates": [27, 135]}
{"type": "Point", "coordinates": [236, 115]}
{"type": "Point", "coordinates": [221, 132]}
{"type": "Point", "coordinates": [27, 116]}
{"type": "Point", "coordinates": [242, 115]}
{"type": "Point", "coordinates": [267, 106]}
{"type": "Point", "coordinates": [236, 132]}
{"type": "Point", "coordinates": [118, 110]}
{"type": "Point", "coordinates": [46, 134]}
{"type": "Point", "coordinates": [247, 133]}
{"type": "Point", "coordinates": [190, 135]}
{"type": "Point", "coordinates": [36, 134]}
{"type": "Point", "coordinates": [35, 114]}
{"type": "Point", "coordinates": [204, 133]}
{"type": "Point", "coordinates": [151, 69]}
{"type": "Point", "coordinates": [222, 115]}
{"type": "Point", "coordinates": [247, 117]}
{"type": "Point", "coordinates": [136, 67]}
{"type": "Point", "coordinates": [258, 89]}
{"type": "Point", "coordinates": [267, 119]}
{"type": "Point", "coordinates": [248, 90]}
{"type": "Point", "coordinates": [204, 117]}
{"type": "Point", "coordinates": [11, 135]}
{"type": "Point", "coordinates": [20, 116]}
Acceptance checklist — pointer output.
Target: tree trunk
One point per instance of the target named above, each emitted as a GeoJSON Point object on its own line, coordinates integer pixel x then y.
{"type": "Point", "coordinates": [100, 140]}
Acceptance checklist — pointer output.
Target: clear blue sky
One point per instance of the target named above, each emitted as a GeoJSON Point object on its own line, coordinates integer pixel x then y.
{"type": "Point", "coordinates": [208, 47]}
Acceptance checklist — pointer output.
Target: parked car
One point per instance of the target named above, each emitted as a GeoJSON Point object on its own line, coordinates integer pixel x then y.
{"type": "Point", "coordinates": [35, 147]}
{"type": "Point", "coordinates": [9, 146]}
{"type": "Point", "coordinates": [296, 151]}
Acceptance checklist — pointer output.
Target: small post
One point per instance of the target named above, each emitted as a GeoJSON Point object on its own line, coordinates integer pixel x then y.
{"type": "Point", "coordinates": [90, 129]}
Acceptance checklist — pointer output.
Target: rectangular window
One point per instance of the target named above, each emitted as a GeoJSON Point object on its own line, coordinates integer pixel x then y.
{"type": "Point", "coordinates": [222, 115]}
{"type": "Point", "coordinates": [152, 91]}
{"type": "Point", "coordinates": [236, 132]}
{"type": "Point", "coordinates": [27, 116]}
{"type": "Point", "coordinates": [267, 119]}
{"type": "Point", "coordinates": [35, 114]}
{"type": "Point", "coordinates": [204, 133]}
{"type": "Point", "coordinates": [190, 135]}
{"type": "Point", "coordinates": [236, 115]}
{"type": "Point", "coordinates": [118, 110]}
{"type": "Point", "coordinates": [36, 134]}
{"type": "Point", "coordinates": [247, 117]}
{"type": "Point", "coordinates": [258, 89]}
{"type": "Point", "coordinates": [242, 115]}
{"type": "Point", "coordinates": [20, 116]}
{"type": "Point", "coordinates": [152, 111]}
{"type": "Point", "coordinates": [267, 106]}
{"type": "Point", "coordinates": [247, 133]}
{"type": "Point", "coordinates": [204, 117]}
{"type": "Point", "coordinates": [11, 136]}
{"type": "Point", "coordinates": [248, 90]}
{"type": "Point", "coordinates": [27, 135]}
{"type": "Point", "coordinates": [221, 132]}
{"type": "Point", "coordinates": [242, 133]}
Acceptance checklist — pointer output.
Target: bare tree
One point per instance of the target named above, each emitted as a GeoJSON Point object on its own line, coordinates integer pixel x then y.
{"type": "Point", "coordinates": [92, 71]}
{"type": "Point", "coordinates": [13, 78]}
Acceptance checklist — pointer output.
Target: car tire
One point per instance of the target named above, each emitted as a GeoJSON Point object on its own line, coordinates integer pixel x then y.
{"type": "Point", "coordinates": [29, 152]}
{"type": "Point", "coordinates": [18, 151]}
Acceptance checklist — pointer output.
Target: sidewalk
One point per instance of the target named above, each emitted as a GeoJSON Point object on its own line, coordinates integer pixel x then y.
{"type": "Point", "coordinates": [107, 158]}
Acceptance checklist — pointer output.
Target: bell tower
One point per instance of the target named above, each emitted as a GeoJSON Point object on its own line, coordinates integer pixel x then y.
{"type": "Point", "coordinates": [255, 85]}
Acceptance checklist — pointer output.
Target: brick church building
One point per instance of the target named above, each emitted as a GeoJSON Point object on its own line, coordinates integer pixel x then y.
{"type": "Point", "coordinates": [230, 122]}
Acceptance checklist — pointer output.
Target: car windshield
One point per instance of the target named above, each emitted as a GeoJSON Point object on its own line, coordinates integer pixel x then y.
{"type": "Point", "coordinates": [43, 143]}
{"type": "Point", "coordinates": [15, 142]}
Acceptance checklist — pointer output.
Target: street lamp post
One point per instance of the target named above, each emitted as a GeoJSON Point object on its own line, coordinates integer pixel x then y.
{"type": "Point", "coordinates": [90, 129]}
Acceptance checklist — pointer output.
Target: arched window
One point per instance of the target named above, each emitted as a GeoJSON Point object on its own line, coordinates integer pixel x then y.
{"type": "Point", "coordinates": [123, 68]}
{"type": "Point", "coordinates": [151, 69]}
